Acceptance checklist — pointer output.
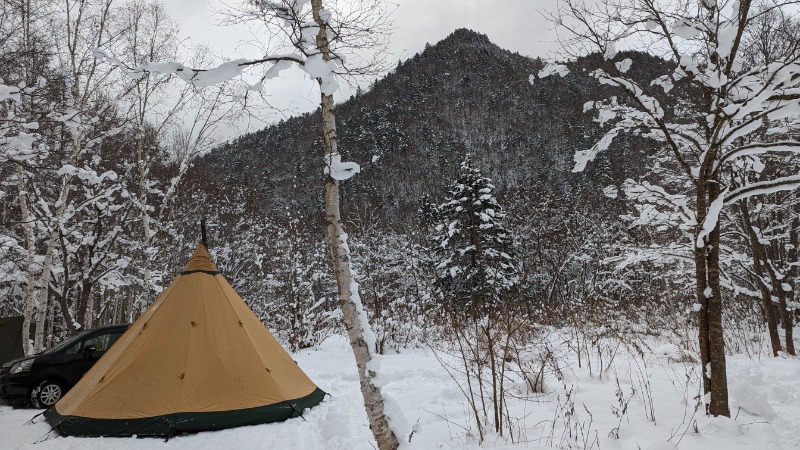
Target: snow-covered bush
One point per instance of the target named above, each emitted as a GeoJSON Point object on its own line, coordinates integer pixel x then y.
{"type": "Point", "coordinates": [395, 289]}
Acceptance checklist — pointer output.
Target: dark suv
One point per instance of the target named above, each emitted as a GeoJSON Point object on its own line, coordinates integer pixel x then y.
{"type": "Point", "coordinates": [42, 379]}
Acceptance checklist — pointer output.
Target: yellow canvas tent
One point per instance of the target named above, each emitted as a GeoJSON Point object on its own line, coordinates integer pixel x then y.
{"type": "Point", "coordinates": [197, 359]}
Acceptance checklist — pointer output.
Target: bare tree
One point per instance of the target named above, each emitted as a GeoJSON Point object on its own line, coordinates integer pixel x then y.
{"type": "Point", "coordinates": [44, 201]}
{"type": "Point", "coordinates": [26, 17]}
{"type": "Point", "coordinates": [702, 137]}
{"type": "Point", "coordinates": [170, 121]}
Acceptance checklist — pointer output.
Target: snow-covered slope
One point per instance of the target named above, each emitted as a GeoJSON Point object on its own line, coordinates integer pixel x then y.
{"type": "Point", "coordinates": [582, 411]}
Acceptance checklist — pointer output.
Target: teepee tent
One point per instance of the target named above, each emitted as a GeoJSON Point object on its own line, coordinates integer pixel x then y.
{"type": "Point", "coordinates": [197, 359]}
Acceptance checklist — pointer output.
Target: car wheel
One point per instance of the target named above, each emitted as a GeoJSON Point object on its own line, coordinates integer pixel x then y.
{"type": "Point", "coordinates": [46, 394]}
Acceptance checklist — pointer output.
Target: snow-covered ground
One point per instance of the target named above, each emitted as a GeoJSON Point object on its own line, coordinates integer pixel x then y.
{"type": "Point", "coordinates": [583, 411]}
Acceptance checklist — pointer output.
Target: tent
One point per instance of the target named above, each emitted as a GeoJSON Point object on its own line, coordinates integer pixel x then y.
{"type": "Point", "coordinates": [10, 338]}
{"type": "Point", "coordinates": [197, 359]}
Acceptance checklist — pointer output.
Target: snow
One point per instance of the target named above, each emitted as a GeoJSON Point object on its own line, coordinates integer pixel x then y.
{"type": "Point", "coordinates": [339, 170]}
{"type": "Point", "coordinates": [611, 191]}
{"type": "Point", "coordinates": [19, 147]}
{"type": "Point", "coordinates": [710, 223]}
{"type": "Point", "coordinates": [553, 69]}
{"type": "Point", "coordinates": [9, 93]}
{"type": "Point", "coordinates": [610, 52]}
{"type": "Point", "coordinates": [276, 69]}
{"type": "Point", "coordinates": [762, 148]}
{"type": "Point", "coordinates": [750, 392]}
{"type": "Point", "coordinates": [650, 105]}
{"type": "Point", "coordinates": [317, 67]}
{"type": "Point", "coordinates": [325, 71]}
{"type": "Point", "coordinates": [686, 29]}
{"type": "Point", "coordinates": [764, 187]}
{"type": "Point", "coordinates": [624, 65]}
{"type": "Point", "coordinates": [582, 157]}
{"type": "Point", "coordinates": [87, 175]}
{"type": "Point", "coordinates": [765, 405]}
{"type": "Point", "coordinates": [200, 78]}
{"type": "Point", "coordinates": [325, 15]}
{"type": "Point", "coordinates": [725, 38]}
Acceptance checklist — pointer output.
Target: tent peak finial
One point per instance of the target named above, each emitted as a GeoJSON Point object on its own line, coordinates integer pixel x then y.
{"type": "Point", "coordinates": [200, 262]}
{"type": "Point", "coordinates": [203, 235]}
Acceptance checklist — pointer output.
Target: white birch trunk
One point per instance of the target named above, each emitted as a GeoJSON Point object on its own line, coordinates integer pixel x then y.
{"type": "Point", "coordinates": [88, 318]}
{"type": "Point", "coordinates": [30, 245]}
{"type": "Point", "coordinates": [146, 235]}
{"type": "Point", "coordinates": [27, 223]}
{"type": "Point", "coordinates": [50, 317]}
{"type": "Point", "coordinates": [47, 265]}
{"type": "Point", "coordinates": [373, 400]}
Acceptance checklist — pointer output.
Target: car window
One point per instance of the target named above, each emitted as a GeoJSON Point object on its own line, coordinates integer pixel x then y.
{"type": "Point", "coordinates": [74, 349]}
{"type": "Point", "coordinates": [113, 338]}
{"type": "Point", "coordinates": [69, 342]}
{"type": "Point", "coordinates": [102, 342]}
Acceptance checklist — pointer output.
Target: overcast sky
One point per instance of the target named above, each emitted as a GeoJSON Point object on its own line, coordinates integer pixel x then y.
{"type": "Point", "coordinates": [515, 25]}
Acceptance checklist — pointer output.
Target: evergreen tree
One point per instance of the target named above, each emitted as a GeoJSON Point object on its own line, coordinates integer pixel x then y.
{"type": "Point", "coordinates": [428, 211]}
{"type": "Point", "coordinates": [473, 250]}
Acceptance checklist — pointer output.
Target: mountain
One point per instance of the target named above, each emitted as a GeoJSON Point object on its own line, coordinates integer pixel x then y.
{"type": "Point", "coordinates": [409, 132]}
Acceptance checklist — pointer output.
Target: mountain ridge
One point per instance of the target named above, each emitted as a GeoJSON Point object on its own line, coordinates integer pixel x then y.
{"type": "Point", "coordinates": [462, 95]}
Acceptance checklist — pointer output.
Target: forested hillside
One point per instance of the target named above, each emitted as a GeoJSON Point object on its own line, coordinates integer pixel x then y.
{"type": "Point", "coordinates": [411, 129]}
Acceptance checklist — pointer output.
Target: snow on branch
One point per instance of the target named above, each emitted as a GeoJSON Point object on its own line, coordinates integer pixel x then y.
{"type": "Point", "coordinates": [554, 69]}
{"type": "Point", "coordinates": [763, 187]}
{"type": "Point", "coordinates": [712, 217]}
{"type": "Point", "coordinates": [659, 255]}
{"type": "Point", "coordinates": [760, 148]}
{"type": "Point", "coordinates": [582, 157]}
{"type": "Point", "coordinates": [286, 10]}
{"type": "Point", "coordinates": [686, 28]}
{"type": "Point", "coordinates": [18, 147]}
{"type": "Point", "coordinates": [18, 137]}
{"type": "Point", "coordinates": [339, 170]}
{"type": "Point", "coordinates": [765, 89]}
{"type": "Point", "coordinates": [650, 196]}
{"type": "Point", "coordinates": [314, 65]}
{"type": "Point", "coordinates": [9, 93]}
{"type": "Point", "coordinates": [650, 104]}
{"type": "Point", "coordinates": [203, 77]}
{"type": "Point", "coordinates": [87, 175]}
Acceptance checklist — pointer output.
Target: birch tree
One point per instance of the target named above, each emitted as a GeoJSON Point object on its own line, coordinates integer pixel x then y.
{"type": "Point", "coordinates": [54, 108]}
{"type": "Point", "coordinates": [717, 124]}
{"type": "Point", "coordinates": [81, 26]}
{"type": "Point", "coordinates": [20, 142]}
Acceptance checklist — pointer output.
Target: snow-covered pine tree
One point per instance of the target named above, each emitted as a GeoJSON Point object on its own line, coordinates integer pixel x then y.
{"type": "Point", "coordinates": [473, 250]}
{"type": "Point", "coordinates": [428, 211]}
